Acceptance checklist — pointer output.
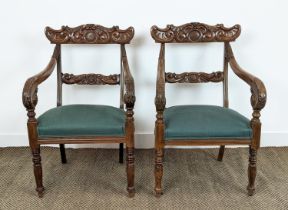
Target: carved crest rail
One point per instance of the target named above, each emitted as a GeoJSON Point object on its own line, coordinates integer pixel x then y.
{"type": "Point", "coordinates": [195, 32]}
{"type": "Point", "coordinates": [89, 34]}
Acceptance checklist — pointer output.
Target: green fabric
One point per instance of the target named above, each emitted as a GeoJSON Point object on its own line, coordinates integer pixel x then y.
{"type": "Point", "coordinates": [204, 122]}
{"type": "Point", "coordinates": [82, 120]}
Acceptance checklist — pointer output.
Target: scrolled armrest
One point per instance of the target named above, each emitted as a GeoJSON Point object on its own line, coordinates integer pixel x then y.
{"type": "Point", "coordinates": [129, 96]}
{"type": "Point", "coordinates": [258, 90]}
{"type": "Point", "coordinates": [160, 99]}
{"type": "Point", "coordinates": [29, 94]}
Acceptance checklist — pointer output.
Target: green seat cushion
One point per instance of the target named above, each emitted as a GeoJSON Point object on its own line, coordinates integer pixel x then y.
{"type": "Point", "coordinates": [205, 122]}
{"type": "Point", "coordinates": [82, 120]}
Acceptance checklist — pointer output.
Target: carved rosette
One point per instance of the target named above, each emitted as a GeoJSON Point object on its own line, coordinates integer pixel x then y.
{"type": "Point", "coordinates": [194, 77]}
{"type": "Point", "coordinates": [89, 34]}
{"type": "Point", "coordinates": [91, 79]}
{"type": "Point", "coordinates": [195, 32]}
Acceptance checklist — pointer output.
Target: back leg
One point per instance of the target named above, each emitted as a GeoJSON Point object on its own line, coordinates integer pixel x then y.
{"type": "Point", "coordinates": [221, 153]}
{"type": "Point", "coordinates": [63, 154]}
{"type": "Point", "coordinates": [121, 152]}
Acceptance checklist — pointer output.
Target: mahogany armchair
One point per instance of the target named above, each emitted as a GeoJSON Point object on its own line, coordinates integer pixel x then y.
{"type": "Point", "coordinates": [83, 124]}
{"type": "Point", "coordinates": [205, 124]}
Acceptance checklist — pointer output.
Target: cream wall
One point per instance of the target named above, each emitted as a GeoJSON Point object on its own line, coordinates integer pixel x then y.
{"type": "Point", "coordinates": [261, 49]}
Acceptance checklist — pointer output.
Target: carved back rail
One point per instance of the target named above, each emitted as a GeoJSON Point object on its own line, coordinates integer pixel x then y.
{"type": "Point", "coordinates": [91, 79]}
{"type": "Point", "coordinates": [195, 32]}
{"type": "Point", "coordinates": [194, 77]}
{"type": "Point", "coordinates": [89, 34]}
{"type": "Point", "coordinates": [192, 33]}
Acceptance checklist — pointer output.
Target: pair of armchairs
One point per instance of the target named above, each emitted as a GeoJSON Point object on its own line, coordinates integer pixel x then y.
{"type": "Point", "coordinates": [177, 125]}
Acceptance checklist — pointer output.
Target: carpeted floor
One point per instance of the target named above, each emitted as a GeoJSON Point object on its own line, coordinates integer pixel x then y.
{"type": "Point", "coordinates": [193, 179]}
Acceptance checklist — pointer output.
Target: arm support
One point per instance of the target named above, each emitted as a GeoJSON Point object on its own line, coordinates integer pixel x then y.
{"type": "Point", "coordinates": [129, 96]}
{"type": "Point", "coordinates": [258, 90]}
{"type": "Point", "coordinates": [29, 95]}
{"type": "Point", "coordinates": [160, 100]}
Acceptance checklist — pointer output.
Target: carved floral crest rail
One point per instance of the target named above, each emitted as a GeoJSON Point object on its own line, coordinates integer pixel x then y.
{"type": "Point", "coordinates": [89, 34]}
{"type": "Point", "coordinates": [195, 32]}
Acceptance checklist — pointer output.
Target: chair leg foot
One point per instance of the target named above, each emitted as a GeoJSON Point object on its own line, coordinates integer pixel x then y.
{"type": "Point", "coordinates": [40, 192]}
{"type": "Point", "coordinates": [158, 193]}
{"type": "Point", "coordinates": [130, 168]}
{"type": "Point", "coordinates": [252, 170]}
{"type": "Point", "coordinates": [158, 171]}
{"type": "Point", "coordinates": [221, 153]}
{"type": "Point", "coordinates": [121, 152]}
{"type": "Point", "coordinates": [251, 191]}
{"type": "Point", "coordinates": [38, 170]}
{"type": "Point", "coordinates": [63, 153]}
{"type": "Point", "coordinates": [131, 192]}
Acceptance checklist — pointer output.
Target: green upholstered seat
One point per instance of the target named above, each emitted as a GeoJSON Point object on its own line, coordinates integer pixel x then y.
{"type": "Point", "coordinates": [205, 122]}
{"type": "Point", "coordinates": [82, 120]}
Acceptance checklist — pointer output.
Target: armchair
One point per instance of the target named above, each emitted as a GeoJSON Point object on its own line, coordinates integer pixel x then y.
{"type": "Point", "coordinates": [81, 124]}
{"type": "Point", "coordinates": [196, 125]}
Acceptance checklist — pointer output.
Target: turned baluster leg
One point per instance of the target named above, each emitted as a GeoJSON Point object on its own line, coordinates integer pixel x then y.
{"type": "Point", "coordinates": [221, 153]}
{"type": "Point", "coordinates": [130, 168]}
{"type": "Point", "coordinates": [38, 170]}
{"type": "Point", "coordinates": [252, 170]}
{"type": "Point", "coordinates": [158, 171]}
{"type": "Point", "coordinates": [35, 149]}
{"type": "Point", "coordinates": [159, 154]}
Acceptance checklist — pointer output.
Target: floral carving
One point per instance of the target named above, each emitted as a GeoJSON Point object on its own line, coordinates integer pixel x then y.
{"type": "Point", "coordinates": [91, 79]}
{"type": "Point", "coordinates": [195, 32]}
{"type": "Point", "coordinates": [89, 34]}
{"type": "Point", "coordinates": [194, 77]}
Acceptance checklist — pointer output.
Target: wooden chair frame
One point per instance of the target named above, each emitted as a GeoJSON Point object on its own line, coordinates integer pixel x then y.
{"type": "Point", "coordinates": [83, 34]}
{"type": "Point", "coordinates": [193, 33]}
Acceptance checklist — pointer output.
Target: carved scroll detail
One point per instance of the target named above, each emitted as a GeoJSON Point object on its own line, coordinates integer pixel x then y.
{"type": "Point", "coordinates": [194, 77]}
{"type": "Point", "coordinates": [89, 34]}
{"type": "Point", "coordinates": [91, 79]}
{"type": "Point", "coordinates": [258, 98]}
{"type": "Point", "coordinates": [195, 32]}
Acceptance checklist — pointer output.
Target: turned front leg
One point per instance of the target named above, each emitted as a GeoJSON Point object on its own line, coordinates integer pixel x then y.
{"type": "Point", "coordinates": [130, 167]}
{"type": "Point", "coordinates": [38, 171]}
{"type": "Point", "coordinates": [130, 170]}
{"type": "Point", "coordinates": [252, 170]}
{"type": "Point", "coordinates": [159, 153]}
{"type": "Point", "coordinates": [158, 171]}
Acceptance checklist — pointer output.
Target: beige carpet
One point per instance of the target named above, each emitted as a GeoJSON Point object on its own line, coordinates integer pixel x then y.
{"type": "Point", "coordinates": [193, 179]}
